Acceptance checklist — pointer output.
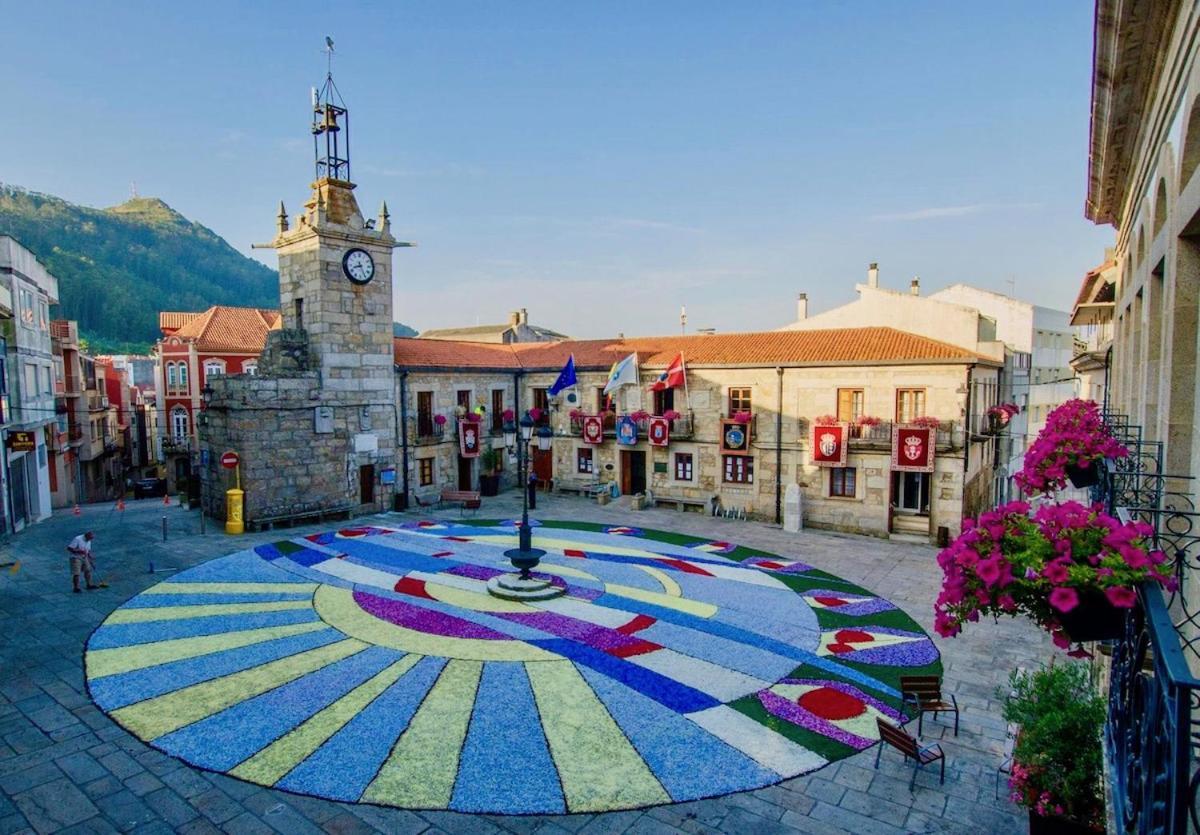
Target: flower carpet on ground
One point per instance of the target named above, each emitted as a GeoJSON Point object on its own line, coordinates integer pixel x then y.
{"type": "Point", "coordinates": [369, 664]}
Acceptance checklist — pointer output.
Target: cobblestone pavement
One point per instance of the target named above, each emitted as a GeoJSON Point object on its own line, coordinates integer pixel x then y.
{"type": "Point", "coordinates": [65, 767]}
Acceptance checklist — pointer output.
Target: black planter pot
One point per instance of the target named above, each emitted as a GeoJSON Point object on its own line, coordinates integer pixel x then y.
{"type": "Point", "coordinates": [1054, 825]}
{"type": "Point", "coordinates": [489, 485]}
{"type": "Point", "coordinates": [1084, 476]}
{"type": "Point", "coordinates": [1094, 619]}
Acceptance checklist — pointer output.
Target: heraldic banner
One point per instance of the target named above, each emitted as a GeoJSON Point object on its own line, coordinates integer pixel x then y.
{"type": "Point", "coordinates": [659, 431]}
{"type": "Point", "coordinates": [468, 438]}
{"type": "Point", "coordinates": [593, 429]}
{"type": "Point", "coordinates": [627, 430]}
{"type": "Point", "coordinates": [829, 445]}
{"type": "Point", "coordinates": [912, 449]}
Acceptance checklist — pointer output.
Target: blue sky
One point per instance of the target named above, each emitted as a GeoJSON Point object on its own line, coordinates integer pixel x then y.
{"type": "Point", "coordinates": [597, 163]}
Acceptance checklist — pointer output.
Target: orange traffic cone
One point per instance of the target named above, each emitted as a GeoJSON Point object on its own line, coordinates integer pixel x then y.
{"type": "Point", "coordinates": [76, 510]}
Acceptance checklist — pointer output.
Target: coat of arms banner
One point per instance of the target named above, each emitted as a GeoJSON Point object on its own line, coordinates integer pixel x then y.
{"type": "Point", "coordinates": [829, 445]}
{"type": "Point", "coordinates": [912, 449]}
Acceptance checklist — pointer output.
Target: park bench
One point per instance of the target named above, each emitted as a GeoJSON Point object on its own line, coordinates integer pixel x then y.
{"type": "Point", "coordinates": [465, 499]}
{"type": "Point", "coordinates": [907, 745]}
{"type": "Point", "coordinates": [924, 694]}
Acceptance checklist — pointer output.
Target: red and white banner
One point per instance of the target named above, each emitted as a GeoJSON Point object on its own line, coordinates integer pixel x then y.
{"type": "Point", "coordinates": [468, 438]}
{"type": "Point", "coordinates": [658, 430]}
{"type": "Point", "coordinates": [829, 445]}
{"type": "Point", "coordinates": [912, 448]}
{"type": "Point", "coordinates": [593, 429]}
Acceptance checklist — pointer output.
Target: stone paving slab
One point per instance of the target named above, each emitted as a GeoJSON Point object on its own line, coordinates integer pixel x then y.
{"type": "Point", "coordinates": [65, 767]}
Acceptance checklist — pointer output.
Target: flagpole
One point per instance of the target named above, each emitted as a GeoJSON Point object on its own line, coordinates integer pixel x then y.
{"type": "Point", "coordinates": [686, 394]}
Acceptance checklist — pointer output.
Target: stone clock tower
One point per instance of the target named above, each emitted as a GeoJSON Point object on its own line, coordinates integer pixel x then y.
{"type": "Point", "coordinates": [316, 429]}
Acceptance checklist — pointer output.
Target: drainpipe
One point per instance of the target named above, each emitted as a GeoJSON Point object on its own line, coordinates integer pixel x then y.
{"type": "Point", "coordinates": [404, 435]}
{"type": "Point", "coordinates": [779, 448]}
{"type": "Point", "coordinates": [966, 439]}
{"type": "Point", "coordinates": [1107, 368]}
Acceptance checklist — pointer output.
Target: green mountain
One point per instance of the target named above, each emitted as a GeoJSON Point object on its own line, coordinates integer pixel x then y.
{"type": "Point", "coordinates": [118, 267]}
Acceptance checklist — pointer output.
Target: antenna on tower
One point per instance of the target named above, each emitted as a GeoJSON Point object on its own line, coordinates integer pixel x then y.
{"type": "Point", "coordinates": [133, 189]}
{"type": "Point", "coordinates": [329, 55]}
{"type": "Point", "coordinates": [683, 320]}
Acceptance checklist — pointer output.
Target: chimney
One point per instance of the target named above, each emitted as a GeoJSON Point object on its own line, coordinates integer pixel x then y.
{"type": "Point", "coordinates": [915, 287]}
{"type": "Point", "coordinates": [801, 307]}
{"type": "Point", "coordinates": [514, 318]}
{"type": "Point", "coordinates": [524, 320]}
{"type": "Point", "coordinates": [873, 274]}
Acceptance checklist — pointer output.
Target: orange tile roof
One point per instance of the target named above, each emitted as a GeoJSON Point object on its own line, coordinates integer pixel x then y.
{"type": "Point", "coordinates": [237, 330]}
{"type": "Point", "coordinates": [838, 346]}
{"type": "Point", "coordinates": [170, 320]}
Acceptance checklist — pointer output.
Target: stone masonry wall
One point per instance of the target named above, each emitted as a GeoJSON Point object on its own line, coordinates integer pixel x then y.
{"type": "Point", "coordinates": [287, 466]}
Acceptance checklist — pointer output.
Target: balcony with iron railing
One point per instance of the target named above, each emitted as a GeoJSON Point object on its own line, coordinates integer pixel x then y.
{"type": "Point", "coordinates": [425, 430]}
{"type": "Point", "coordinates": [1152, 732]}
{"type": "Point", "coordinates": [871, 436]}
{"type": "Point", "coordinates": [682, 427]}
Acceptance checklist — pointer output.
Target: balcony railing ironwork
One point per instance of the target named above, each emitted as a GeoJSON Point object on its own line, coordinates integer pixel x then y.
{"type": "Point", "coordinates": [422, 432]}
{"type": "Point", "coordinates": [949, 435]}
{"type": "Point", "coordinates": [682, 427]}
{"type": "Point", "coordinates": [1153, 726]}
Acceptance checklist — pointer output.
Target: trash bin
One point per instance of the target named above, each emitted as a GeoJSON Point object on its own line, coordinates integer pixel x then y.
{"type": "Point", "coordinates": [943, 536]}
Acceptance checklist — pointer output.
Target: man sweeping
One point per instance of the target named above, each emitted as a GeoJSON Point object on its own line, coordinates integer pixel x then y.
{"type": "Point", "coordinates": [80, 550]}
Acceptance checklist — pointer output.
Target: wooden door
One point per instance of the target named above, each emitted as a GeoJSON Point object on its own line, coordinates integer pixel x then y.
{"type": "Point", "coordinates": [626, 472]}
{"type": "Point", "coordinates": [543, 465]}
{"type": "Point", "coordinates": [637, 472]}
{"type": "Point", "coordinates": [366, 484]}
{"type": "Point", "coordinates": [464, 473]}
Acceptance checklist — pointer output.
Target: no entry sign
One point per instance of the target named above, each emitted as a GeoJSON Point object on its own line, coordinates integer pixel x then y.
{"type": "Point", "coordinates": [229, 460]}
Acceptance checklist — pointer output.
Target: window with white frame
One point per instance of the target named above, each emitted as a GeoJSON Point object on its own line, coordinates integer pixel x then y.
{"type": "Point", "coordinates": [172, 377]}
{"type": "Point", "coordinates": [250, 367]}
{"type": "Point", "coordinates": [683, 466]}
{"type": "Point", "coordinates": [183, 375]}
{"type": "Point", "coordinates": [179, 423]}
{"type": "Point", "coordinates": [213, 368]}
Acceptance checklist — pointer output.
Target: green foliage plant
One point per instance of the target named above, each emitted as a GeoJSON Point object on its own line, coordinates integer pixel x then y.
{"type": "Point", "coordinates": [1057, 765]}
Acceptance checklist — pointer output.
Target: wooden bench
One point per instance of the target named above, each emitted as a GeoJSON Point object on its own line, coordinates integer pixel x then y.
{"type": "Point", "coordinates": [465, 499]}
{"type": "Point", "coordinates": [907, 745]}
{"type": "Point", "coordinates": [924, 694]}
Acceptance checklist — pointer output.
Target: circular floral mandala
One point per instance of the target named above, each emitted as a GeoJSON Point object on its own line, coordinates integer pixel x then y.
{"type": "Point", "coordinates": [369, 664]}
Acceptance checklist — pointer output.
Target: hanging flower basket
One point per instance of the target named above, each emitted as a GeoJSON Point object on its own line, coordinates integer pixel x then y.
{"type": "Point", "coordinates": [1054, 566]}
{"type": "Point", "coordinates": [1075, 435]}
{"type": "Point", "coordinates": [440, 420]}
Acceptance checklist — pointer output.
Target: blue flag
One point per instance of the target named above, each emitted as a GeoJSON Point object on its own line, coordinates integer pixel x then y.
{"type": "Point", "coordinates": [566, 377]}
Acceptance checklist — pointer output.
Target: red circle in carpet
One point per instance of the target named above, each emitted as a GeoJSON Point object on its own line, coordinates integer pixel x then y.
{"type": "Point", "coordinates": [831, 705]}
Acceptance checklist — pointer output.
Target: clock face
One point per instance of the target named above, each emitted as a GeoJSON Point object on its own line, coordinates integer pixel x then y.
{"type": "Point", "coordinates": [358, 266]}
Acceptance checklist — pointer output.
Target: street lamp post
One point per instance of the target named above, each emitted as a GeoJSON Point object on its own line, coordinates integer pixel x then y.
{"type": "Point", "coordinates": [523, 586]}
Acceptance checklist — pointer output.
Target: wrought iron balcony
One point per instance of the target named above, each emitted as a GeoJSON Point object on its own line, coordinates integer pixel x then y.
{"type": "Point", "coordinates": [879, 435]}
{"type": "Point", "coordinates": [1153, 723]}
{"type": "Point", "coordinates": [424, 431]}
